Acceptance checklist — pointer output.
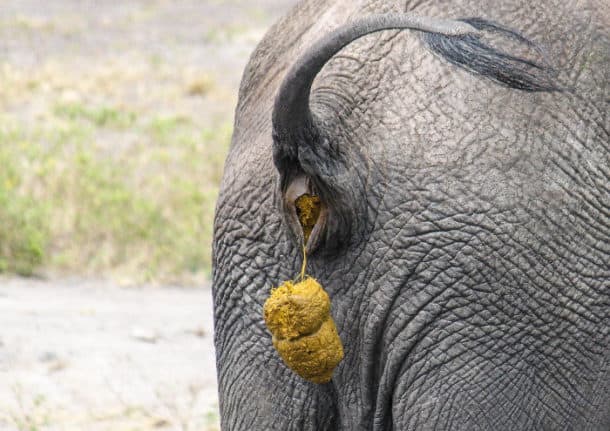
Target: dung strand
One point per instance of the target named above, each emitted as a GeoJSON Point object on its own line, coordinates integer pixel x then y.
{"type": "Point", "coordinates": [297, 313]}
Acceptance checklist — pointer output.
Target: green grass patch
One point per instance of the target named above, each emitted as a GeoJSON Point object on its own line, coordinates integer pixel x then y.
{"type": "Point", "coordinates": [143, 214]}
{"type": "Point", "coordinates": [100, 116]}
{"type": "Point", "coordinates": [24, 233]}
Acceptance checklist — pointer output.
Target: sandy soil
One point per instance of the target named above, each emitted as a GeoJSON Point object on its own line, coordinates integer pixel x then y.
{"type": "Point", "coordinates": [87, 355]}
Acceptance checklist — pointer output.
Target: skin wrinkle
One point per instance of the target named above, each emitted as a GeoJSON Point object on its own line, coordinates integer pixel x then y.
{"type": "Point", "coordinates": [509, 382]}
{"type": "Point", "coordinates": [480, 407]}
{"type": "Point", "coordinates": [420, 337]}
{"type": "Point", "coordinates": [374, 275]}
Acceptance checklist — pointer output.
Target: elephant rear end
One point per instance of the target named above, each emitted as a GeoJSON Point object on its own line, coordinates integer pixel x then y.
{"type": "Point", "coordinates": [463, 168]}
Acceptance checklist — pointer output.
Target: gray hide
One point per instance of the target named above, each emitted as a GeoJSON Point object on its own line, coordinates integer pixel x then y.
{"type": "Point", "coordinates": [466, 238]}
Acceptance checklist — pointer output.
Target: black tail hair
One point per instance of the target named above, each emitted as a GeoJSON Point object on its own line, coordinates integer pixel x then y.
{"type": "Point", "coordinates": [470, 52]}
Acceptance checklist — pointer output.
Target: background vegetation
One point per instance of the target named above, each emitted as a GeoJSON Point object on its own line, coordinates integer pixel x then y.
{"type": "Point", "coordinates": [114, 124]}
{"type": "Point", "coordinates": [69, 205]}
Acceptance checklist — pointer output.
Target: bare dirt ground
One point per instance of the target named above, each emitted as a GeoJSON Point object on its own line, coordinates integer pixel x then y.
{"type": "Point", "coordinates": [88, 355]}
{"type": "Point", "coordinates": [85, 354]}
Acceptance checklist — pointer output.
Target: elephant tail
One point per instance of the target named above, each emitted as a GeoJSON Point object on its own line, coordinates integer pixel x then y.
{"type": "Point", "coordinates": [302, 149]}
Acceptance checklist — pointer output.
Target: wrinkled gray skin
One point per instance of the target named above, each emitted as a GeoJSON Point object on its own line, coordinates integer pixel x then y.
{"type": "Point", "coordinates": [469, 270]}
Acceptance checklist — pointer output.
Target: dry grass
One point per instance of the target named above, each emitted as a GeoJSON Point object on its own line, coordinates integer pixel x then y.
{"type": "Point", "coordinates": [97, 178]}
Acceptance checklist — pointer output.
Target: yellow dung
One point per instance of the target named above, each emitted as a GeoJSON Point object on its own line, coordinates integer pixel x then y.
{"type": "Point", "coordinates": [304, 333]}
{"type": "Point", "coordinates": [308, 210]}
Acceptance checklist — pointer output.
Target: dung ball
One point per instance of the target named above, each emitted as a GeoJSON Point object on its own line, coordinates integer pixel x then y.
{"type": "Point", "coordinates": [296, 309]}
{"type": "Point", "coordinates": [304, 333]}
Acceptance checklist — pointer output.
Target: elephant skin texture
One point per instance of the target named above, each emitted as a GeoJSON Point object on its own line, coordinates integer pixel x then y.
{"type": "Point", "coordinates": [462, 162]}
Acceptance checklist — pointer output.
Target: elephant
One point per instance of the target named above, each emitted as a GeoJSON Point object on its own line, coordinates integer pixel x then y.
{"type": "Point", "coordinates": [460, 152]}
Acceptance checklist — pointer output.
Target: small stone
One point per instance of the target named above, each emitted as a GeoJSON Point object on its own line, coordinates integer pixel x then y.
{"type": "Point", "coordinates": [161, 423]}
{"type": "Point", "coordinates": [144, 335]}
{"type": "Point", "coordinates": [48, 357]}
{"type": "Point", "coordinates": [56, 366]}
{"type": "Point", "coordinates": [198, 332]}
